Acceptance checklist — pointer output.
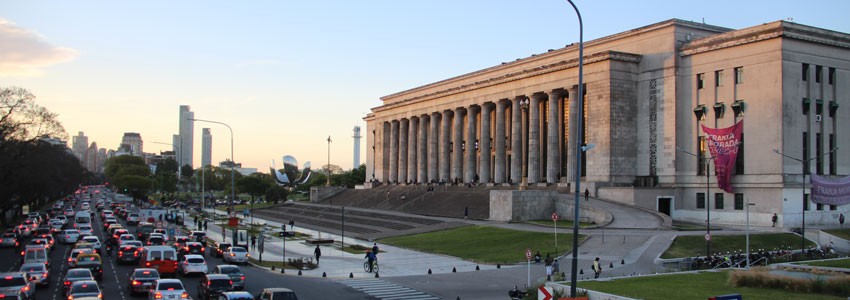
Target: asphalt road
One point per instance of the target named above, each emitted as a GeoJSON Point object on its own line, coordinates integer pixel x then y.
{"type": "Point", "coordinates": [115, 277]}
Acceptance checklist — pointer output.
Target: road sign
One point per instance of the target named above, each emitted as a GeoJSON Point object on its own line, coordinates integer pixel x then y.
{"type": "Point", "coordinates": [707, 237]}
{"type": "Point", "coordinates": [555, 216]}
{"type": "Point", "coordinates": [544, 293]}
{"type": "Point", "coordinates": [177, 231]}
{"type": "Point", "coordinates": [233, 222]}
{"type": "Point", "coordinates": [528, 253]}
{"type": "Point", "coordinates": [158, 224]}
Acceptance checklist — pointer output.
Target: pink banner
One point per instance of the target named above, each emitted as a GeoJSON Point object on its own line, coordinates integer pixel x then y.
{"type": "Point", "coordinates": [831, 192]}
{"type": "Point", "coordinates": [723, 145]}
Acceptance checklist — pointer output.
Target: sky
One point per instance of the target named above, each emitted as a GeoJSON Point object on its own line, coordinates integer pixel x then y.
{"type": "Point", "coordinates": [286, 74]}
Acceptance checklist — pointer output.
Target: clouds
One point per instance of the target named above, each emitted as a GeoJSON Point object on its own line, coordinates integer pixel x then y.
{"type": "Point", "coordinates": [25, 53]}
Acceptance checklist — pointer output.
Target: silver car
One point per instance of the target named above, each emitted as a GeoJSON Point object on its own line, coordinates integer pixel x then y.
{"type": "Point", "coordinates": [168, 289]}
{"type": "Point", "coordinates": [17, 282]}
{"type": "Point", "coordinates": [37, 272]}
{"type": "Point", "coordinates": [236, 255]}
{"type": "Point", "coordinates": [9, 240]}
{"type": "Point", "coordinates": [235, 274]}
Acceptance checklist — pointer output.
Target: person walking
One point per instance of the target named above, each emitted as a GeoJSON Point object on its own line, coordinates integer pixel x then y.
{"type": "Point", "coordinates": [586, 194]}
{"type": "Point", "coordinates": [205, 225]}
{"type": "Point", "coordinates": [291, 225]}
{"type": "Point", "coordinates": [548, 262]}
{"type": "Point", "coordinates": [556, 267]}
{"type": "Point", "coordinates": [466, 213]}
{"type": "Point", "coordinates": [253, 242]}
{"type": "Point", "coordinates": [597, 268]}
{"type": "Point", "coordinates": [317, 253]}
{"type": "Point", "coordinates": [841, 220]}
{"type": "Point", "coordinates": [774, 219]}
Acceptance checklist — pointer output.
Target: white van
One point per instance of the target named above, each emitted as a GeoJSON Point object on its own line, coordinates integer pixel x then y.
{"type": "Point", "coordinates": [82, 217]}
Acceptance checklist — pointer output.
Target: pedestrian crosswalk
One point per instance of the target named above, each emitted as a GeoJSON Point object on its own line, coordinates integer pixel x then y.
{"type": "Point", "coordinates": [386, 290]}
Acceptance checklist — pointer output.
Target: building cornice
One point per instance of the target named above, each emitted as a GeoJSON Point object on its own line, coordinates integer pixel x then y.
{"type": "Point", "coordinates": [778, 29]}
{"type": "Point", "coordinates": [514, 76]}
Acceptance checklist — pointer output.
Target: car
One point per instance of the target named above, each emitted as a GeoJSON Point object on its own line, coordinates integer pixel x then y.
{"type": "Point", "coordinates": [142, 280]}
{"type": "Point", "coordinates": [143, 230]}
{"type": "Point", "coordinates": [128, 254]}
{"type": "Point", "coordinates": [24, 230]}
{"type": "Point", "coordinates": [114, 238]}
{"type": "Point", "coordinates": [94, 241]}
{"type": "Point", "coordinates": [70, 213]}
{"type": "Point", "coordinates": [219, 248]}
{"type": "Point", "coordinates": [198, 236]}
{"type": "Point", "coordinates": [168, 289]}
{"type": "Point", "coordinates": [133, 219]}
{"type": "Point", "coordinates": [192, 263]}
{"type": "Point", "coordinates": [109, 222]}
{"type": "Point", "coordinates": [37, 272]}
{"type": "Point", "coordinates": [17, 282]}
{"type": "Point", "coordinates": [84, 288]}
{"type": "Point", "coordinates": [132, 243]}
{"type": "Point", "coordinates": [70, 236]}
{"type": "Point", "coordinates": [9, 239]}
{"type": "Point", "coordinates": [155, 240]}
{"type": "Point", "coordinates": [237, 255]}
{"type": "Point", "coordinates": [179, 241]}
{"type": "Point", "coordinates": [235, 296]}
{"type": "Point", "coordinates": [235, 274]}
{"type": "Point", "coordinates": [114, 227]}
{"type": "Point", "coordinates": [85, 229]}
{"type": "Point", "coordinates": [277, 294]}
{"type": "Point", "coordinates": [213, 285]}
{"type": "Point", "coordinates": [106, 213]}
{"type": "Point", "coordinates": [56, 226]}
{"type": "Point", "coordinates": [92, 262]}
{"type": "Point", "coordinates": [44, 243]}
{"type": "Point", "coordinates": [72, 258]}
{"type": "Point", "coordinates": [36, 255]}
{"type": "Point", "coordinates": [63, 218]}
{"type": "Point", "coordinates": [161, 232]}
{"type": "Point", "coordinates": [193, 248]}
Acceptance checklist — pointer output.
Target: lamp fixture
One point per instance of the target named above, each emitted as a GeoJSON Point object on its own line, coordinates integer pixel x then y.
{"type": "Point", "coordinates": [738, 108]}
{"type": "Point", "coordinates": [700, 111]}
{"type": "Point", "coordinates": [719, 110]}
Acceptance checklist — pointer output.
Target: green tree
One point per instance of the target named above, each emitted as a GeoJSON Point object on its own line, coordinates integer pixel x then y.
{"type": "Point", "coordinates": [186, 171]}
{"type": "Point", "coordinates": [252, 185]}
{"type": "Point", "coordinates": [130, 175]}
{"type": "Point", "coordinates": [276, 193]}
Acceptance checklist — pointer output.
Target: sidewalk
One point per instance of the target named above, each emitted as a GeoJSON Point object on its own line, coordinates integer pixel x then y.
{"type": "Point", "coordinates": [393, 261]}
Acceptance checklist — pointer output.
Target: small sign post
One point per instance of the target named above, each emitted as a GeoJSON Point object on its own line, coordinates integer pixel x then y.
{"type": "Point", "coordinates": [528, 260]}
{"type": "Point", "coordinates": [555, 224]}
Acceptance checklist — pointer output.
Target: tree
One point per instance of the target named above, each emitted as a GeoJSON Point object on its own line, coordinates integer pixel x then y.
{"type": "Point", "coordinates": [253, 185]}
{"type": "Point", "coordinates": [129, 174]}
{"type": "Point", "coordinates": [186, 171]}
{"type": "Point", "coordinates": [22, 119]}
{"type": "Point", "coordinates": [276, 193]}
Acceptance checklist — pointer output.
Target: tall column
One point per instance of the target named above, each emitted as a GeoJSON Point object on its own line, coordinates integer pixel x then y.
{"type": "Point", "coordinates": [394, 129]}
{"type": "Point", "coordinates": [516, 140]}
{"type": "Point", "coordinates": [402, 150]}
{"type": "Point", "coordinates": [445, 146]}
{"type": "Point", "coordinates": [471, 137]}
{"type": "Point", "coordinates": [534, 139]}
{"type": "Point", "coordinates": [499, 140]}
{"type": "Point", "coordinates": [457, 151]}
{"type": "Point", "coordinates": [572, 136]}
{"type": "Point", "coordinates": [484, 144]}
{"type": "Point", "coordinates": [432, 147]}
{"type": "Point", "coordinates": [422, 143]}
{"type": "Point", "coordinates": [553, 158]}
{"type": "Point", "coordinates": [412, 148]}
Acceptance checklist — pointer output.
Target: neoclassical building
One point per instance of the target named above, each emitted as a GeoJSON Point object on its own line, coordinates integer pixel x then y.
{"type": "Point", "coordinates": [646, 92]}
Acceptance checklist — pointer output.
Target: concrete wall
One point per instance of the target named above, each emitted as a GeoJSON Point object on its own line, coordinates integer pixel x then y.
{"type": "Point", "coordinates": [319, 193]}
{"type": "Point", "coordinates": [840, 245]}
{"type": "Point", "coordinates": [587, 213]}
{"type": "Point", "coordinates": [522, 206]}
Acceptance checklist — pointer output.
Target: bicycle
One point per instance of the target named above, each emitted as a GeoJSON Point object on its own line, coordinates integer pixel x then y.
{"type": "Point", "coordinates": [374, 266]}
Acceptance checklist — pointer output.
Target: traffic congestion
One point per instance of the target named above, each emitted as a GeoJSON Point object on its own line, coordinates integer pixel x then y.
{"type": "Point", "coordinates": [91, 246]}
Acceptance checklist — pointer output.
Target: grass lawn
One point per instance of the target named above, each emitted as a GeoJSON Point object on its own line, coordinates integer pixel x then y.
{"type": "Point", "coordinates": [690, 286]}
{"type": "Point", "coordinates": [694, 245]}
{"type": "Point", "coordinates": [268, 264]}
{"type": "Point", "coordinates": [484, 244]}
{"type": "Point", "coordinates": [839, 263]}
{"type": "Point", "coordinates": [842, 233]}
{"type": "Point", "coordinates": [562, 224]}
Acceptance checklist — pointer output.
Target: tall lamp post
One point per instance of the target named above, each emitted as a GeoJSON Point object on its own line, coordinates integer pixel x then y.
{"type": "Point", "coordinates": [805, 163]}
{"type": "Point", "coordinates": [579, 145]}
{"type": "Point", "coordinates": [232, 162]}
{"type": "Point", "coordinates": [707, 162]}
{"type": "Point", "coordinates": [328, 183]}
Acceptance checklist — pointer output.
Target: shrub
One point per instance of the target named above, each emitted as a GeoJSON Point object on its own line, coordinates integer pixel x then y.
{"type": "Point", "coordinates": [839, 285]}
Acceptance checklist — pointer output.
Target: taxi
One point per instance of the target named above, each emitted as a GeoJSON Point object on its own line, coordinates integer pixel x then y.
{"type": "Point", "coordinates": [92, 262]}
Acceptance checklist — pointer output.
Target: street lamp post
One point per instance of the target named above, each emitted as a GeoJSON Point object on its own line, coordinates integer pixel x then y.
{"type": "Point", "coordinates": [707, 161]}
{"type": "Point", "coordinates": [805, 163]}
{"type": "Point", "coordinates": [748, 232]}
{"type": "Point", "coordinates": [232, 162]}
{"type": "Point", "coordinates": [579, 144]}
{"type": "Point", "coordinates": [328, 183]}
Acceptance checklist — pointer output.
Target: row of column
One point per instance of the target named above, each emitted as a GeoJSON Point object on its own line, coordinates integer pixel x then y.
{"type": "Point", "coordinates": [433, 148]}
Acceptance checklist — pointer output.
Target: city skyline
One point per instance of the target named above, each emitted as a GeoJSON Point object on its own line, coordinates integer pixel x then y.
{"type": "Point", "coordinates": [286, 75]}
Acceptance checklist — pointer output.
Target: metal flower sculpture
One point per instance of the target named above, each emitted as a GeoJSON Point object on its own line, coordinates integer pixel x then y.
{"type": "Point", "coordinates": [290, 176]}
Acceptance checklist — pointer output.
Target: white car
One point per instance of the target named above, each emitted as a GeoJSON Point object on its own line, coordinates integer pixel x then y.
{"type": "Point", "coordinates": [62, 218]}
{"type": "Point", "coordinates": [193, 263]}
{"type": "Point", "coordinates": [168, 289]}
{"type": "Point", "coordinates": [131, 242]}
{"type": "Point", "coordinates": [91, 239]}
{"type": "Point", "coordinates": [70, 236]}
{"type": "Point", "coordinates": [85, 230]}
{"type": "Point", "coordinates": [162, 232]}
{"type": "Point", "coordinates": [236, 255]}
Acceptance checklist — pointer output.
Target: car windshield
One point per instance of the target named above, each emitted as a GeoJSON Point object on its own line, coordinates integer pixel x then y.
{"type": "Point", "coordinates": [12, 281]}
{"type": "Point", "coordinates": [230, 270]}
{"type": "Point", "coordinates": [146, 274]}
{"type": "Point", "coordinates": [78, 273]}
{"type": "Point", "coordinates": [284, 296]}
{"type": "Point", "coordinates": [170, 285]}
{"type": "Point", "coordinates": [196, 260]}
{"type": "Point", "coordinates": [225, 283]}
{"type": "Point", "coordinates": [237, 249]}
{"type": "Point", "coordinates": [84, 288]}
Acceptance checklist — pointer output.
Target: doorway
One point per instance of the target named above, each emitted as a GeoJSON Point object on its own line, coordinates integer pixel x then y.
{"type": "Point", "coordinates": [664, 204]}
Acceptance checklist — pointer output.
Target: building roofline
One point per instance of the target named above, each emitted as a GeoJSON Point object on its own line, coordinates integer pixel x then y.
{"type": "Point", "coordinates": [766, 31]}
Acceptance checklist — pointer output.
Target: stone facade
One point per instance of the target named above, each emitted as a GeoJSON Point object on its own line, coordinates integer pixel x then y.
{"type": "Point", "coordinates": [515, 122]}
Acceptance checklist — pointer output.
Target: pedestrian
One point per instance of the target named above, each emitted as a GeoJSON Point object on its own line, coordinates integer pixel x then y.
{"type": "Point", "coordinates": [556, 267]}
{"type": "Point", "coordinates": [388, 195]}
{"type": "Point", "coordinates": [291, 225]}
{"type": "Point", "coordinates": [841, 220]}
{"type": "Point", "coordinates": [537, 257]}
{"type": "Point", "coordinates": [548, 262]}
{"type": "Point", "coordinates": [597, 268]}
{"type": "Point", "coordinates": [253, 242]}
{"type": "Point", "coordinates": [205, 225]}
{"type": "Point", "coordinates": [586, 194]}
{"type": "Point", "coordinates": [375, 249]}
{"type": "Point", "coordinates": [774, 219]}
{"type": "Point", "coordinates": [466, 213]}
{"type": "Point", "coordinates": [317, 253]}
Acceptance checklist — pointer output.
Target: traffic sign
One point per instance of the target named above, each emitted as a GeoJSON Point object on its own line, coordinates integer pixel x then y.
{"type": "Point", "coordinates": [528, 253]}
{"type": "Point", "coordinates": [233, 222]}
{"type": "Point", "coordinates": [707, 237]}
{"type": "Point", "coordinates": [555, 217]}
{"type": "Point", "coordinates": [544, 293]}
{"type": "Point", "coordinates": [177, 231]}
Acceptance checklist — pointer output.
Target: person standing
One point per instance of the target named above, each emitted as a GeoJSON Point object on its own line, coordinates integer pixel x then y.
{"type": "Point", "coordinates": [205, 225]}
{"type": "Point", "coordinates": [253, 242]}
{"type": "Point", "coordinates": [774, 219]}
{"type": "Point", "coordinates": [375, 249]}
{"type": "Point", "coordinates": [597, 268]}
{"type": "Point", "coordinates": [317, 253]}
{"type": "Point", "coordinates": [841, 220]}
{"type": "Point", "coordinates": [586, 194]}
{"type": "Point", "coordinates": [466, 213]}
{"type": "Point", "coordinates": [556, 267]}
{"type": "Point", "coordinates": [548, 262]}
{"type": "Point", "coordinates": [291, 225]}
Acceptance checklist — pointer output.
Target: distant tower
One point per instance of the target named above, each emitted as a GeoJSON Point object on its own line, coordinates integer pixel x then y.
{"type": "Point", "coordinates": [187, 141]}
{"type": "Point", "coordinates": [356, 137]}
{"type": "Point", "coordinates": [206, 148]}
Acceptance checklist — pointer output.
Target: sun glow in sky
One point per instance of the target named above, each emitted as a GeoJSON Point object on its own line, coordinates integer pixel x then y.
{"type": "Point", "coordinates": [285, 75]}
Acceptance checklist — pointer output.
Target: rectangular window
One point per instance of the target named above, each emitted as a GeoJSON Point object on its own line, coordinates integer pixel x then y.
{"type": "Point", "coordinates": [833, 207]}
{"type": "Point", "coordinates": [818, 73]}
{"type": "Point", "coordinates": [739, 201]}
{"type": "Point", "coordinates": [700, 80]}
{"type": "Point", "coordinates": [832, 163]}
{"type": "Point", "coordinates": [739, 75]}
{"type": "Point", "coordinates": [718, 78]}
{"type": "Point", "coordinates": [739, 160]}
{"type": "Point", "coordinates": [831, 75]}
{"type": "Point", "coordinates": [818, 206]}
{"type": "Point", "coordinates": [701, 155]}
{"type": "Point", "coordinates": [805, 72]}
{"type": "Point", "coordinates": [718, 200]}
{"type": "Point", "coordinates": [806, 202]}
{"type": "Point", "coordinates": [819, 153]}
{"type": "Point", "coordinates": [700, 200]}
{"type": "Point", "coordinates": [805, 152]}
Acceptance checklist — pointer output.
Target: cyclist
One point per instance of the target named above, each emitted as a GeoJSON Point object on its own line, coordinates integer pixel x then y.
{"type": "Point", "coordinates": [108, 250]}
{"type": "Point", "coordinates": [370, 256]}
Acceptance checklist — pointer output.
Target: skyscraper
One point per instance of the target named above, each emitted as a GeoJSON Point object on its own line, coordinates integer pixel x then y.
{"type": "Point", "coordinates": [206, 147]}
{"type": "Point", "coordinates": [80, 143]}
{"type": "Point", "coordinates": [356, 137]}
{"type": "Point", "coordinates": [134, 139]}
{"type": "Point", "coordinates": [91, 158]}
{"type": "Point", "coordinates": [186, 140]}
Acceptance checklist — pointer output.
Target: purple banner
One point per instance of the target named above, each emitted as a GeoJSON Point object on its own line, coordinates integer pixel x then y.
{"type": "Point", "coordinates": [829, 191]}
{"type": "Point", "coordinates": [723, 145]}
